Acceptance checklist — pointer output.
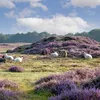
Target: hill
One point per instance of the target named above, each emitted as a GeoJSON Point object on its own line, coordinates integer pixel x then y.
{"type": "Point", "coordinates": [77, 44]}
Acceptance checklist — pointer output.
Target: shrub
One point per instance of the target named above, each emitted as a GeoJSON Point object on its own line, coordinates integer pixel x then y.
{"type": "Point", "coordinates": [8, 84]}
{"type": "Point", "coordinates": [78, 76]}
{"type": "Point", "coordinates": [62, 86]}
{"type": "Point", "coordinates": [56, 87]}
{"type": "Point", "coordinates": [94, 83]}
{"type": "Point", "coordinates": [72, 85]}
{"type": "Point", "coordinates": [78, 94]}
{"type": "Point", "coordinates": [8, 95]}
{"type": "Point", "coordinates": [16, 69]}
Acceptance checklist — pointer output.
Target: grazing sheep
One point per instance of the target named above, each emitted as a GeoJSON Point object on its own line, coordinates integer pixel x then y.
{"type": "Point", "coordinates": [55, 54]}
{"type": "Point", "coordinates": [18, 59]}
{"type": "Point", "coordinates": [87, 56]}
{"type": "Point", "coordinates": [6, 56]}
{"type": "Point", "coordinates": [62, 53]}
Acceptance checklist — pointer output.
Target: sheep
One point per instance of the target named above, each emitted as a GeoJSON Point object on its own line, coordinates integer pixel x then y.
{"type": "Point", "coordinates": [18, 59]}
{"type": "Point", "coordinates": [55, 54]}
{"type": "Point", "coordinates": [6, 56]}
{"type": "Point", "coordinates": [87, 56]}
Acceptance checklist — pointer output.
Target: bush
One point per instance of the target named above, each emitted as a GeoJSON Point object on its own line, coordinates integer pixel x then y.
{"type": "Point", "coordinates": [8, 95]}
{"type": "Point", "coordinates": [94, 83]}
{"type": "Point", "coordinates": [8, 84]}
{"type": "Point", "coordinates": [78, 76]}
{"type": "Point", "coordinates": [9, 90]}
{"type": "Point", "coordinates": [16, 69]}
{"type": "Point", "coordinates": [78, 94]}
{"type": "Point", "coordinates": [72, 85]}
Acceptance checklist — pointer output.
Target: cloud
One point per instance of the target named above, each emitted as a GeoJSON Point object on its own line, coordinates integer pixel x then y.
{"type": "Point", "coordinates": [38, 4]}
{"type": "Point", "coordinates": [86, 3]}
{"type": "Point", "coordinates": [58, 24]}
{"type": "Point", "coordinates": [82, 3]}
{"type": "Point", "coordinates": [10, 14]}
{"type": "Point", "coordinates": [20, 0]}
{"type": "Point", "coordinates": [24, 13]}
{"type": "Point", "coordinates": [73, 13]}
{"type": "Point", "coordinates": [7, 4]}
{"type": "Point", "coordinates": [33, 3]}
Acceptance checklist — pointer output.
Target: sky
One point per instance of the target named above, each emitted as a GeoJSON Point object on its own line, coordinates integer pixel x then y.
{"type": "Point", "coordinates": [53, 16]}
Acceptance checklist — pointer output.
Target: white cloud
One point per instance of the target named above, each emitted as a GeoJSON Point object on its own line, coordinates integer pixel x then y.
{"type": "Point", "coordinates": [73, 13]}
{"type": "Point", "coordinates": [7, 4]}
{"type": "Point", "coordinates": [10, 14]}
{"type": "Point", "coordinates": [59, 24]}
{"type": "Point", "coordinates": [20, 0]}
{"type": "Point", "coordinates": [38, 4]}
{"type": "Point", "coordinates": [82, 3]}
{"type": "Point", "coordinates": [33, 3]}
{"type": "Point", "coordinates": [24, 13]}
{"type": "Point", "coordinates": [86, 3]}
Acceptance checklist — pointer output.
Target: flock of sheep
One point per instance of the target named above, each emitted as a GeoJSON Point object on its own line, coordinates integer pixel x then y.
{"type": "Point", "coordinates": [61, 53]}
{"type": "Point", "coordinates": [9, 57]}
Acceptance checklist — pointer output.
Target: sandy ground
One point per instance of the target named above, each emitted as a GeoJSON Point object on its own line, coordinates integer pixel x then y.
{"type": "Point", "coordinates": [9, 46]}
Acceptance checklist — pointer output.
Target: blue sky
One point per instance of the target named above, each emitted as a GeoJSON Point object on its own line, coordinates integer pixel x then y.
{"type": "Point", "coordinates": [53, 16]}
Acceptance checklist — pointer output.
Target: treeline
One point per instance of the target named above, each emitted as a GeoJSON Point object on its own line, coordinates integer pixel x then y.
{"type": "Point", "coordinates": [31, 37]}
{"type": "Point", "coordinates": [94, 34]}
{"type": "Point", "coordinates": [28, 37]}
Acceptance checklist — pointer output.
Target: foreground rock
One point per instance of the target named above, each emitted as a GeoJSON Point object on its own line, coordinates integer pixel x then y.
{"type": "Point", "coordinates": [74, 45]}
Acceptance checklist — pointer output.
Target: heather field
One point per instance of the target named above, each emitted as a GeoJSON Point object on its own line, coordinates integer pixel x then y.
{"type": "Point", "coordinates": [60, 74]}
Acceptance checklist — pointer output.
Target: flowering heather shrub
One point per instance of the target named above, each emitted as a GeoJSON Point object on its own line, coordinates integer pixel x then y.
{"type": "Point", "coordinates": [68, 43]}
{"type": "Point", "coordinates": [78, 94]}
{"type": "Point", "coordinates": [73, 83]}
{"type": "Point", "coordinates": [8, 95]}
{"type": "Point", "coordinates": [66, 38]}
{"type": "Point", "coordinates": [45, 79]}
{"type": "Point", "coordinates": [54, 44]}
{"type": "Point", "coordinates": [95, 83]}
{"type": "Point", "coordinates": [79, 43]}
{"type": "Point", "coordinates": [56, 87]}
{"type": "Point", "coordinates": [8, 85]}
{"type": "Point", "coordinates": [78, 76]}
{"type": "Point", "coordinates": [46, 85]}
{"type": "Point", "coordinates": [46, 51]}
{"type": "Point", "coordinates": [16, 69]}
{"type": "Point", "coordinates": [62, 86]}
{"type": "Point", "coordinates": [78, 84]}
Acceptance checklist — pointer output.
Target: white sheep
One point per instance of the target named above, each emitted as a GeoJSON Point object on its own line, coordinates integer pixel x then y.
{"type": "Point", "coordinates": [6, 56]}
{"type": "Point", "coordinates": [18, 59]}
{"type": "Point", "coordinates": [87, 56]}
{"type": "Point", "coordinates": [55, 54]}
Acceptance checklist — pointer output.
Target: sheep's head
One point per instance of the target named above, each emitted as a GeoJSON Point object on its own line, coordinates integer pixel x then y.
{"type": "Point", "coordinates": [5, 55]}
{"type": "Point", "coordinates": [83, 53]}
{"type": "Point", "coordinates": [22, 57]}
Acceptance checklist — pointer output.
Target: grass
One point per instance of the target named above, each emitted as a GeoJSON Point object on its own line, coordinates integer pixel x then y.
{"type": "Point", "coordinates": [36, 67]}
